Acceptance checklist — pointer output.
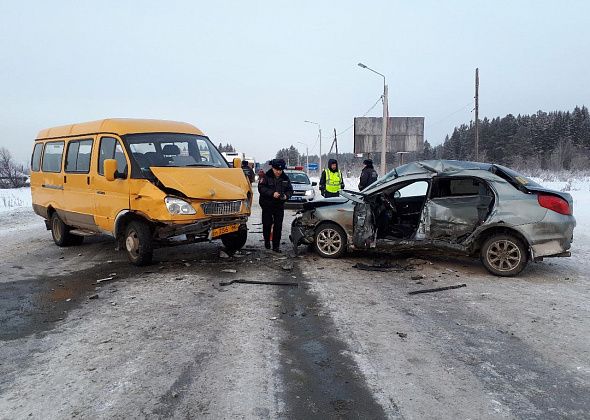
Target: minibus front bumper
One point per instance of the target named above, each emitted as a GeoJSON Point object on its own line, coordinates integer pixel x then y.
{"type": "Point", "coordinates": [197, 231]}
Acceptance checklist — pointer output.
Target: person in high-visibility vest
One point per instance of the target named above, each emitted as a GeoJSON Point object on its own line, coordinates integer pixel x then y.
{"type": "Point", "coordinates": [331, 181]}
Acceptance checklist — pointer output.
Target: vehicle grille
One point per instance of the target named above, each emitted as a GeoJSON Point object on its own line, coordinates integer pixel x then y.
{"type": "Point", "coordinates": [221, 208]}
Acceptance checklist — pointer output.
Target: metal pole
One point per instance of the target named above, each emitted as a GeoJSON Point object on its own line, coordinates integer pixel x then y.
{"type": "Point", "coordinates": [320, 129]}
{"type": "Point", "coordinates": [384, 131]}
{"type": "Point", "coordinates": [477, 114]}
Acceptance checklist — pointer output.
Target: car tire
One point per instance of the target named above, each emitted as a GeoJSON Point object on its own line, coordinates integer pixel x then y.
{"type": "Point", "coordinates": [330, 240]}
{"type": "Point", "coordinates": [61, 232]}
{"type": "Point", "coordinates": [235, 241]}
{"type": "Point", "coordinates": [504, 255]}
{"type": "Point", "coordinates": [138, 243]}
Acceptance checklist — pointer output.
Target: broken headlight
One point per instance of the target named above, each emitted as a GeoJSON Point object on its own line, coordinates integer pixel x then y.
{"type": "Point", "coordinates": [178, 206]}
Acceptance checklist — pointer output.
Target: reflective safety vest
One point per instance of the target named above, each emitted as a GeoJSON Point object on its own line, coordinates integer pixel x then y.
{"type": "Point", "coordinates": [333, 181]}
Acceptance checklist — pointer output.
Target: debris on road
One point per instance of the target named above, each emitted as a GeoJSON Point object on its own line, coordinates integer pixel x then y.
{"type": "Point", "coordinates": [386, 266]}
{"type": "Point", "coordinates": [94, 296]}
{"type": "Point", "coordinates": [418, 277]}
{"type": "Point", "coordinates": [229, 270]}
{"type": "Point", "coordinates": [268, 283]}
{"type": "Point", "coordinates": [437, 289]}
{"type": "Point", "coordinates": [223, 254]}
{"type": "Point", "coordinates": [402, 334]}
{"type": "Point", "coordinates": [287, 266]}
{"type": "Point", "coordinates": [109, 278]}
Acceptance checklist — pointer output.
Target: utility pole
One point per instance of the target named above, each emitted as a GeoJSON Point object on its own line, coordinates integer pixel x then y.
{"type": "Point", "coordinates": [320, 133]}
{"type": "Point", "coordinates": [385, 115]}
{"type": "Point", "coordinates": [477, 114]}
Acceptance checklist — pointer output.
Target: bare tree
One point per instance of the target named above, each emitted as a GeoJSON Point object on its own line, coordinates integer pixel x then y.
{"type": "Point", "coordinates": [11, 174]}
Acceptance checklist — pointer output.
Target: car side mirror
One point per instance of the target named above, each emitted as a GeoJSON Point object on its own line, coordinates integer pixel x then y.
{"type": "Point", "coordinates": [110, 169]}
{"type": "Point", "coordinates": [313, 184]}
{"type": "Point", "coordinates": [397, 194]}
{"type": "Point", "coordinates": [237, 163]}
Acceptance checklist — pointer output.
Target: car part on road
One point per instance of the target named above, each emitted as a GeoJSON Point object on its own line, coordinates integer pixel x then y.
{"type": "Point", "coordinates": [504, 255]}
{"type": "Point", "coordinates": [383, 267]}
{"type": "Point", "coordinates": [330, 240]}
{"type": "Point", "coordinates": [138, 243]}
{"type": "Point", "coordinates": [268, 283]}
{"type": "Point", "coordinates": [437, 289]}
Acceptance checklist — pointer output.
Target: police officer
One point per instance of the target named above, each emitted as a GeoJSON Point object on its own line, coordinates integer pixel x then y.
{"type": "Point", "coordinates": [331, 180]}
{"type": "Point", "coordinates": [274, 188]}
{"type": "Point", "coordinates": [368, 175]}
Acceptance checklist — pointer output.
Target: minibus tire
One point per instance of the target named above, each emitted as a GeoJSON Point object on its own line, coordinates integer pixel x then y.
{"type": "Point", "coordinates": [60, 231]}
{"type": "Point", "coordinates": [138, 243]}
{"type": "Point", "coordinates": [235, 241]}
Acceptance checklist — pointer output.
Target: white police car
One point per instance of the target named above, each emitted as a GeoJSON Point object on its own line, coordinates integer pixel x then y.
{"type": "Point", "coordinates": [303, 188]}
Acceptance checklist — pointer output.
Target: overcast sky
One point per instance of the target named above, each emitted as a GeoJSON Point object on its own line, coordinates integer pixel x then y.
{"type": "Point", "coordinates": [250, 72]}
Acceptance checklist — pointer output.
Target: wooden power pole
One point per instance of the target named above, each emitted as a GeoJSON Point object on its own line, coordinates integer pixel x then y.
{"type": "Point", "coordinates": [477, 114]}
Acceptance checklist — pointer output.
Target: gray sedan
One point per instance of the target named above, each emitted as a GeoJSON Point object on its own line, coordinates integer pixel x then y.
{"type": "Point", "coordinates": [463, 207]}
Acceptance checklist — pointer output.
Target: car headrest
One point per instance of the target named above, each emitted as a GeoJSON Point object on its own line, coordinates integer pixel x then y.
{"type": "Point", "coordinates": [170, 150]}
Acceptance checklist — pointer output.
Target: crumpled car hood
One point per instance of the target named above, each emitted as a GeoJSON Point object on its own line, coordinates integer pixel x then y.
{"type": "Point", "coordinates": [205, 183]}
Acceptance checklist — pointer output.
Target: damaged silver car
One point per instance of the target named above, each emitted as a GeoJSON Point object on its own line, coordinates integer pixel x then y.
{"type": "Point", "coordinates": [469, 208]}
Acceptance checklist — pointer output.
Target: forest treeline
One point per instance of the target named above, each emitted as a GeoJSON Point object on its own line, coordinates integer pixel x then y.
{"type": "Point", "coordinates": [545, 140]}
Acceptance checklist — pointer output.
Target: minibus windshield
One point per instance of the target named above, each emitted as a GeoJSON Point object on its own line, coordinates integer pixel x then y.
{"type": "Point", "coordinates": [173, 150]}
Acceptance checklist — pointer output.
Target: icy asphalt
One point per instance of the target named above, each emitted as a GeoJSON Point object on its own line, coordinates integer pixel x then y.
{"type": "Point", "coordinates": [166, 341]}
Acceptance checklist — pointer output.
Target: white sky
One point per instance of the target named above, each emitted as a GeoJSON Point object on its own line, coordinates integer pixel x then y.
{"type": "Point", "coordinates": [250, 72]}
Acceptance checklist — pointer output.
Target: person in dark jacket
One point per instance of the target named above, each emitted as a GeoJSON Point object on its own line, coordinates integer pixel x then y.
{"type": "Point", "coordinates": [331, 180]}
{"type": "Point", "coordinates": [275, 189]}
{"type": "Point", "coordinates": [248, 171]}
{"type": "Point", "coordinates": [368, 175]}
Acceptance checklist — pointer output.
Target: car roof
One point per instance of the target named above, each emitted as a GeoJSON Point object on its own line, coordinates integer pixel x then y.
{"type": "Point", "coordinates": [118, 126]}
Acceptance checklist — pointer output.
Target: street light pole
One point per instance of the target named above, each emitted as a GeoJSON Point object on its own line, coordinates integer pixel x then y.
{"type": "Point", "coordinates": [320, 133]}
{"type": "Point", "coordinates": [385, 117]}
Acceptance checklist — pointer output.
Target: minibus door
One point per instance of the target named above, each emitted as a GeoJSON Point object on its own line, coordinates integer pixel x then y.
{"type": "Point", "coordinates": [110, 197]}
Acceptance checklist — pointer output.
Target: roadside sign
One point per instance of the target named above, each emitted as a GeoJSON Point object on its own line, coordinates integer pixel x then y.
{"type": "Point", "coordinates": [312, 166]}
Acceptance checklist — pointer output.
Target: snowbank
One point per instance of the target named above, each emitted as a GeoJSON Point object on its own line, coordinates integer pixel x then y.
{"type": "Point", "coordinates": [15, 198]}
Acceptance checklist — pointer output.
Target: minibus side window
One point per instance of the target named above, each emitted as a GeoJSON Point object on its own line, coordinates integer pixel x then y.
{"type": "Point", "coordinates": [36, 158]}
{"type": "Point", "coordinates": [52, 156]}
{"type": "Point", "coordinates": [78, 156]}
{"type": "Point", "coordinates": [110, 148]}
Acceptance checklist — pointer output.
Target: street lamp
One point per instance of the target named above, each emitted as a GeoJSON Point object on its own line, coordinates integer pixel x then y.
{"type": "Point", "coordinates": [320, 131]}
{"type": "Point", "coordinates": [306, 157]}
{"type": "Point", "coordinates": [384, 127]}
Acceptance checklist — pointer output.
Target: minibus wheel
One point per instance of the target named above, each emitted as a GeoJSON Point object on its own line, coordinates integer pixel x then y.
{"type": "Point", "coordinates": [61, 233]}
{"type": "Point", "coordinates": [138, 243]}
{"type": "Point", "coordinates": [236, 240]}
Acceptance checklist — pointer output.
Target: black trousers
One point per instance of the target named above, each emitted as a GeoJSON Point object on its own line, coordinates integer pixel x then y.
{"type": "Point", "coordinates": [272, 215]}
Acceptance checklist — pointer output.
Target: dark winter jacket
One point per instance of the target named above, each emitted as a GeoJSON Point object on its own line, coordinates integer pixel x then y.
{"type": "Point", "coordinates": [269, 184]}
{"type": "Point", "coordinates": [368, 176]}
{"type": "Point", "coordinates": [323, 176]}
{"type": "Point", "coordinates": [249, 173]}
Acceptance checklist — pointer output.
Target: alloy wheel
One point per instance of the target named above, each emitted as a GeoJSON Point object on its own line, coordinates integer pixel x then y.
{"type": "Point", "coordinates": [329, 241]}
{"type": "Point", "coordinates": [504, 255]}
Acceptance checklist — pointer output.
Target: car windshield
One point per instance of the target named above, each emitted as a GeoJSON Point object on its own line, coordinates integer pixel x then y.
{"type": "Point", "coordinates": [298, 177]}
{"type": "Point", "coordinates": [173, 150]}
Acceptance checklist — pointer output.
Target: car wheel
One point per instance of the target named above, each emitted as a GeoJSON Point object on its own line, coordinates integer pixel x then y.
{"type": "Point", "coordinates": [138, 243]}
{"type": "Point", "coordinates": [61, 232]}
{"type": "Point", "coordinates": [504, 255]}
{"type": "Point", "coordinates": [236, 240]}
{"type": "Point", "coordinates": [330, 240]}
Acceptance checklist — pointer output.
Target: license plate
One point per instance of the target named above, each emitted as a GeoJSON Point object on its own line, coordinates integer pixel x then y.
{"type": "Point", "coordinates": [224, 230]}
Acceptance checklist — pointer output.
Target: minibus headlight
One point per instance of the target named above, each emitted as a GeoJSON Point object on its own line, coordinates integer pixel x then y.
{"type": "Point", "coordinates": [178, 206]}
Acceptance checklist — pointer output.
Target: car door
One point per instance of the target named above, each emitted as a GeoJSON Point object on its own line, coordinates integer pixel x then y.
{"type": "Point", "coordinates": [110, 197]}
{"type": "Point", "coordinates": [78, 195]}
{"type": "Point", "coordinates": [51, 192]}
{"type": "Point", "coordinates": [456, 207]}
